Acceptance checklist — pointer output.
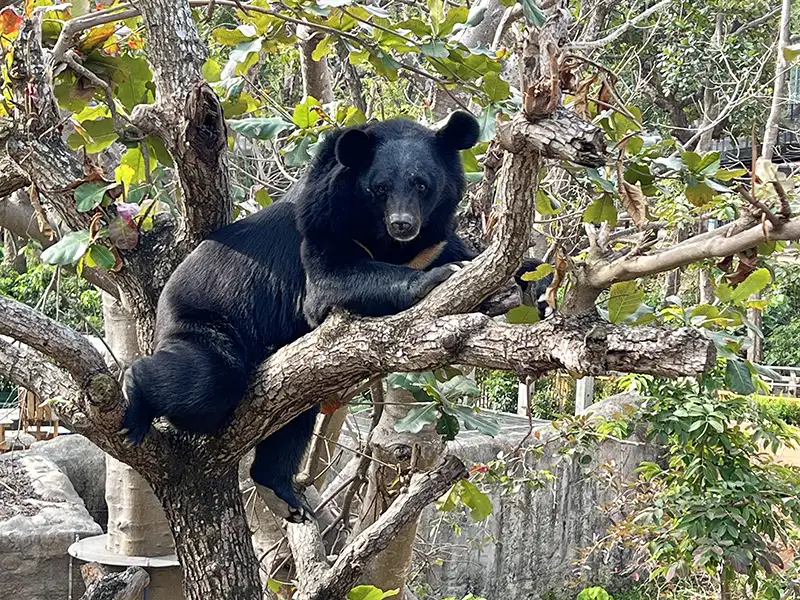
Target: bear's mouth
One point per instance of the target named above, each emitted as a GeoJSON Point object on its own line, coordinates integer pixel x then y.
{"type": "Point", "coordinates": [404, 238]}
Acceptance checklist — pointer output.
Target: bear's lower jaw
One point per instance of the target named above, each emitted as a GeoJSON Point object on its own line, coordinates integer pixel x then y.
{"type": "Point", "coordinates": [403, 239]}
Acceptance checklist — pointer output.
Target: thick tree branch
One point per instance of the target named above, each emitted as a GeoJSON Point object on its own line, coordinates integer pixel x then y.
{"type": "Point", "coordinates": [68, 348]}
{"type": "Point", "coordinates": [344, 351]}
{"type": "Point", "coordinates": [594, 277]}
{"type": "Point", "coordinates": [187, 115]}
{"type": "Point", "coordinates": [318, 582]}
{"type": "Point", "coordinates": [633, 267]}
{"type": "Point", "coordinates": [563, 136]}
{"type": "Point", "coordinates": [31, 370]}
{"type": "Point", "coordinates": [11, 178]}
{"type": "Point", "coordinates": [94, 403]}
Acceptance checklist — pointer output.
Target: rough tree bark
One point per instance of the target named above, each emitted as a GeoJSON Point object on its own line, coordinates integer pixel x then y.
{"type": "Point", "coordinates": [316, 74]}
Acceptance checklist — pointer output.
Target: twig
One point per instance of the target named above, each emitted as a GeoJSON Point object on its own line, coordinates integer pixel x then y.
{"type": "Point", "coordinates": [785, 210]}
{"type": "Point", "coordinates": [768, 214]}
{"type": "Point", "coordinates": [360, 476]}
{"type": "Point", "coordinates": [74, 26]}
{"type": "Point", "coordinates": [619, 31]}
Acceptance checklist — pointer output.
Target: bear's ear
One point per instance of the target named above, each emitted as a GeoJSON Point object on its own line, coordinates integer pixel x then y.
{"type": "Point", "coordinates": [461, 132]}
{"type": "Point", "coordinates": [354, 148]}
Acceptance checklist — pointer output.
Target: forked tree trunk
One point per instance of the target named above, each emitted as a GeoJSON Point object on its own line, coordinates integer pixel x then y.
{"type": "Point", "coordinates": [212, 538]}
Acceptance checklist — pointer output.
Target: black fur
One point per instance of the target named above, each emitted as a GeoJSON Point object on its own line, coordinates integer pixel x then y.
{"type": "Point", "coordinates": [255, 285]}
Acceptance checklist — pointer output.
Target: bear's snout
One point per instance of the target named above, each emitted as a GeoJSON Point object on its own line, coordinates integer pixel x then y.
{"type": "Point", "coordinates": [403, 227]}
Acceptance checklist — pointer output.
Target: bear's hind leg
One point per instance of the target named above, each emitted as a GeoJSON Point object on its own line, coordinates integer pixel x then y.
{"type": "Point", "coordinates": [194, 385]}
{"type": "Point", "coordinates": [277, 461]}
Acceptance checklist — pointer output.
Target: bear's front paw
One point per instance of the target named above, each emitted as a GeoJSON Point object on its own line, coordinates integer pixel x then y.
{"type": "Point", "coordinates": [430, 279]}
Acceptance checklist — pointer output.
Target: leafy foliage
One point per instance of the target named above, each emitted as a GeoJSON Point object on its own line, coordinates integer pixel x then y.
{"type": "Point", "coordinates": [69, 302]}
{"type": "Point", "coordinates": [446, 398]}
{"type": "Point", "coordinates": [719, 502]}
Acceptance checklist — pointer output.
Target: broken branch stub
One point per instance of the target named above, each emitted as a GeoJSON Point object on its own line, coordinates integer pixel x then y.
{"type": "Point", "coordinates": [563, 135]}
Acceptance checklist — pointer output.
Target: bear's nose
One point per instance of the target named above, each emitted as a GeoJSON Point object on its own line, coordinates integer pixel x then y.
{"type": "Point", "coordinates": [402, 225]}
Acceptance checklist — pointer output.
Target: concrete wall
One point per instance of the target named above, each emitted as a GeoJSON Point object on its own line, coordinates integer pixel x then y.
{"type": "Point", "coordinates": [526, 548]}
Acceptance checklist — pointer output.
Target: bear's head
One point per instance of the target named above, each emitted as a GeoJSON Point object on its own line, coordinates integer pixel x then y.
{"type": "Point", "coordinates": [405, 174]}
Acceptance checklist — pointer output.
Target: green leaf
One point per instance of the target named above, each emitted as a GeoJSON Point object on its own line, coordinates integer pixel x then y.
{"type": "Point", "coordinates": [417, 384]}
{"type": "Point", "coordinates": [135, 172]}
{"type": "Point", "coordinates": [671, 163]}
{"type": "Point", "coordinates": [755, 282]}
{"type": "Point", "coordinates": [260, 128]}
{"type": "Point", "coordinates": [495, 88]}
{"type": "Point", "coordinates": [635, 145]}
{"type": "Point", "coordinates": [416, 26]}
{"type": "Point", "coordinates": [487, 123]}
{"type": "Point", "coordinates": [523, 315]}
{"type": "Point", "coordinates": [475, 420]}
{"type": "Point", "coordinates": [455, 15]}
{"type": "Point", "coordinates": [532, 12]}
{"type": "Point", "coordinates": [601, 209]}
{"type": "Point", "coordinates": [728, 174]}
{"type": "Point", "coordinates": [304, 114]}
{"type": "Point", "coordinates": [625, 299]}
{"type": "Point", "coordinates": [417, 418]}
{"type": "Point", "coordinates": [458, 387]}
{"type": "Point", "coordinates": [544, 203]}
{"type": "Point", "coordinates": [298, 155]}
{"type": "Point", "coordinates": [88, 196]}
{"type": "Point", "coordinates": [232, 37]}
{"type": "Point", "coordinates": [245, 54]}
{"type": "Point", "coordinates": [262, 197]}
{"type": "Point", "coordinates": [68, 249]}
{"type": "Point", "coordinates": [369, 592]}
{"type": "Point", "coordinates": [100, 256]}
{"type": "Point", "coordinates": [436, 12]}
{"type": "Point", "coordinates": [538, 273]}
{"type": "Point", "coordinates": [699, 193]}
{"type": "Point", "coordinates": [449, 501]}
{"type": "Point", "coordinates": [480, 504]}
{"type": "Point", "coordinates": [435, 49]}
{"type": "Point", "coordinates": [594, 593]}
{"type": "Point", "coordinates": [101, 133]}
{"type": "Point", "coordinates": [447, 426]}
{"type": "Point", "coordinates": [738, 377]}
{"type": "Point", "coordinates": [211, 70]}
{"type": "Point", "coordinates": [334, 4]}
{"type": "Point", "coordinates": [692, 160]}
{"type": "Point", "coordinates": [790, 53]}
{"type": "Point", "coordinates": [322, 49]}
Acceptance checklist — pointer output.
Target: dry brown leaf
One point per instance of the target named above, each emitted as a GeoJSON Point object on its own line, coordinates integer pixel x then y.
{"type": "Point", "coordinates": [605, 92]}
{"type": "Point", "coordinates": [748, 261]}
{"type": "Point", "coordinates": [632, 198]}
{"type": "Point", "coordinates": [581, 103]}
{"type": "Point", "coordinates": [41, 217]}
{"type": "Point", "coordinates": [558, 278]}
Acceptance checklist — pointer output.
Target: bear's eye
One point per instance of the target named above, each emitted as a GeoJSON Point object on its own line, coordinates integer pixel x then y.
{"type": "Point", "coordinates": [380, 190]}
{"type": "Point", "coordinates": [422, 186]}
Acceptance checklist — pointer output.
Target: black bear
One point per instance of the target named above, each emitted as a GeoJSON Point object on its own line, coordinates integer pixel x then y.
{"type": "Point", "coordinates": [375, 198]}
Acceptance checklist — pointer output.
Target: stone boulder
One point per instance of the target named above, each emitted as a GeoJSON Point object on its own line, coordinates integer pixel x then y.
{"type": "Point", "coordinates": [85, 465]}
{"type": "Point", "coordinates": [40, 516]}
